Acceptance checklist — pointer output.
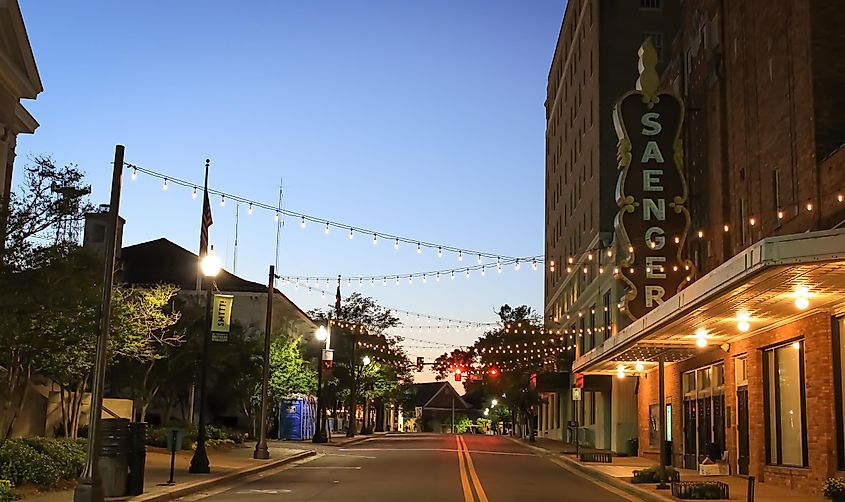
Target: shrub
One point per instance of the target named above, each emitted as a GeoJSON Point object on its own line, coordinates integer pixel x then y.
{"type": "Point", "coordinates": [652, 475]}
{"type": "Point", "coordinates": [834, 488]}
{"type": "Point", "coordinates": [66, 455]}
{"type": "Point", "coordinates": [7, 490]}
{"type": "Point", "coordinates": [21, 464]}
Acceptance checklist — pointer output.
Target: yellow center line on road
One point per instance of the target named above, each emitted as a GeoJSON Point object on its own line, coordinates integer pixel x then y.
{"type": "Point", "coordinates": [479, 490]}
{"type": "Point", "coordinates": [464, 480]}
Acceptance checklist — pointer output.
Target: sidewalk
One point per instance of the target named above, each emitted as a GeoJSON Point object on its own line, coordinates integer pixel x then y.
{"type": "Point", "coordinates": [226, 465]}
{"type": "Point", "coordinates": [618, 474]}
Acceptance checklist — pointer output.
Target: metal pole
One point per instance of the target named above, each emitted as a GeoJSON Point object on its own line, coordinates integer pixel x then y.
{"type": "Point", "coordinates": [353, 394]}
{"type": "Point", "coordinates": [199, 462]}
{"type": "Point", "coordinates": [320, 431]}
{"type": "Point", "coordinates": [90, 487]}
{"type": "Point", "coordinates": [661, 432]}
{"type": "Point", "coordinates": [261, 449]}
{"type": "Point", "coordinates": [453, 415]}
{"type": "Point", "coordinates": [750, 494]}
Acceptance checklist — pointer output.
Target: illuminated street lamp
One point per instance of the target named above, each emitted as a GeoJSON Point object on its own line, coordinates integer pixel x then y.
{"type": "Point", "coordinates": [210, 266]}
{"type": "Point", "coordinates": [322, 334]}
{"type": "Point", "coordinates": [366, 360]}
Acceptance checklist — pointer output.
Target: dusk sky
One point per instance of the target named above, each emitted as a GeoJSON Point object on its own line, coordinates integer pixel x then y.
{"type": "Point", "coordinates": [423, 119]}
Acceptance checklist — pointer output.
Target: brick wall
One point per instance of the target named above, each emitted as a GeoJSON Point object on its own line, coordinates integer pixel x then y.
{"type": "Point", "coordinates": [815, 330]}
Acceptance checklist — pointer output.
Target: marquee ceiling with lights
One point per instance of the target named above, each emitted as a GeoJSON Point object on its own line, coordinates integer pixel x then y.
{"type": "Point", "coordinates": [772, 283]}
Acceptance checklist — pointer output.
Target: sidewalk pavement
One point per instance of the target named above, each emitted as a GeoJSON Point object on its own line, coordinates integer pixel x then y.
{"type": "Point", "coordinates": [227, 464]}
{"type": "Point", "coordinates": [619, 472]}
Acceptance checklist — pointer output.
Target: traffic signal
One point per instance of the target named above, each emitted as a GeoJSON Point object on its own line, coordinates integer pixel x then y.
{"type": "Point", "coordinates": [457, 374]}
{"type": "Point", "coordinates": [420, 363]}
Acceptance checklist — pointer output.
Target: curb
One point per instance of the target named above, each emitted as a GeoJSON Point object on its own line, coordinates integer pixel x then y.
{"type": "Point", "coordinates": [589, 472]}
{"type": "Point", "coordinates": [358, 439]}
{"type": "Point", "coordinates": [209, 483]}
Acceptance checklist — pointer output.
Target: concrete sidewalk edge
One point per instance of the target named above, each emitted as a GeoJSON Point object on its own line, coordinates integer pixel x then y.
{"type": "Point", "coordinates": [358, 439]}
{"type": "Point", "coordinates": [180, 491]}
{"type": "Point", "coordinates": [589, 472]}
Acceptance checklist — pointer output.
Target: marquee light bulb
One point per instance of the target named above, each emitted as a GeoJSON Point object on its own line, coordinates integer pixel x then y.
{"type": "Point", "coordinates": [701, 342]}
{"type": "Point", "coordinates": [840, 197]}
{"type": "Point", "coordinates": [809, 206]}
{"type": "Point", "coordinates": [701, 234]}
{"type": "Point", "coordinates": [609, 253]}
{"type": "Point", "coordinates": [743, 326]}
{"type": "Point", "coordinates": [164, 185]}
{"type": "Point", "coordinates": [727, 228]}
{"type": "Point", "coordinates": [590, 256]}
{"type": "Point", "coordinates": [639, 366]}
{"type": "Point", "coordinates": [802, 302]}
{"type": "Point", "coordinates": [752, 221]}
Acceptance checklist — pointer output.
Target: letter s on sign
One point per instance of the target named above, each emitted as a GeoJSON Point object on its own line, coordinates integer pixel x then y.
{"type": "Point", "coordinates": [651, 127]}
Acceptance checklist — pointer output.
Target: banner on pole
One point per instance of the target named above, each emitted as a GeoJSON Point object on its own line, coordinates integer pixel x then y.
{"type": "Point", "coordinates": [221, 317]}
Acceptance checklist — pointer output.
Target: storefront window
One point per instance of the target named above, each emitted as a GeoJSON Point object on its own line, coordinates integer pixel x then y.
{"type": "Point", "coordinates": [785, 405]}
{"type": "Point", "coordinates": [703, 414]}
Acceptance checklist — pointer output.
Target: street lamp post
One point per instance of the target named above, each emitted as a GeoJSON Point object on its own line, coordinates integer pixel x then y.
{"type": "Point", "coordinates": [210, 268]}
{"type": "Point", "coordinates": [262, 452]}
{"type": "Point", "coordinates": [322, 334]}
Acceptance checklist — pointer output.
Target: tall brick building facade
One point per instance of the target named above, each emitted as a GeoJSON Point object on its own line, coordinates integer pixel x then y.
{"type": "Point", "coordinates": [764, 147]}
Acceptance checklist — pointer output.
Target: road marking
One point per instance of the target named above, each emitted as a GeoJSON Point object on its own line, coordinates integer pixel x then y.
{"type": "Point", "coordinates": [356, 467]}
{"type": "Point", "coordinates": [479, 490]}
{"type": "Point", "coordinates": [448, 450]}
{"type": "Point", "coordinates": [605, 486]}
{"type": "Point", "coordinates": [264, 492]}
{"type": "Point", "coordinates": [353, 456]}
{"type": "Point", "coordinates": [464, 481]}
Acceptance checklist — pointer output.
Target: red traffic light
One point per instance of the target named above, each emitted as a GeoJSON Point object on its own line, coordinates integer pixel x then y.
{"type": "Point", "coordinates": [458, 376]}
{"type": "Point", "coordinates": [493, 372]}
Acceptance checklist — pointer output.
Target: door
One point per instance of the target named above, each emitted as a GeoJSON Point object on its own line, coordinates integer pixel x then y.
{"type": "Point", "coordinates": [690, 435]}
{"type": "Point", "coordinates": [742, 429]}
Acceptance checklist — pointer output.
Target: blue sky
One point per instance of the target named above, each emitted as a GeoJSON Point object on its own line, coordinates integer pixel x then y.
{"type": "Point", "coordinates": [418, 118]}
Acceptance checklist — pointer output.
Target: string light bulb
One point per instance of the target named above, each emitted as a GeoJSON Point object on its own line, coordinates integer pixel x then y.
{"type": "Point", "coordinates": [467, 273]}
{"type": "Point", "coordinates": [479, 259]}
{"type": "Point", "coordinates": [726, 228]}
{"type": "Point", "coordinates": [639, 366]}
{"type": "Point", "coordinates": [194, 193]}
{"type": "Point", "coordinates": [277, 216]}
{"type": "Point", "coordinates": [375, 239]}
{"type": "Point", "coordinates": [134, 174]}
{"type": "Point", "coordinates": [327, 230]}
{"type": "Point", "coordinates": [437, 278]}
{"type": "Point", "coordinates": [460, 256]}
{"type": "Point", "coordinates": [809, 205]}
{"type": "Point", "coordinates": [419, 248]}
{"type": "Point", "coordinates": [483, 271]}
{"type": "Point", "coordinates": [516, 264]}
{"type": "Point", "coordinates": [534, 264]}
{"type": "Point", "coordinates": [453, 275]}
{"type": "Point", "coordinates": [701, 234]}
{"type": "Point", "coordinates": [424, 278]}
{"type": "Point", "coordinates": [164, 185]}
{"type": "Point", "coordinates": [840, 197]}
{"type": "Point", "coordinates": [396, 244]}
{"type": "Point", "coordinates": [351, 234]}
{"type": "Point", "coordinates": [249, 209]}
{"type": "Point", "coordinates": [609, 253]}
{"type": "Point", "coordinates": [439, 252]}
{"type": "Point", "coordinates": [752, 221]}
{"type": "Point", "coordinates": [302, 221]}
{"type": "Point", "coordinates": [222, 200]}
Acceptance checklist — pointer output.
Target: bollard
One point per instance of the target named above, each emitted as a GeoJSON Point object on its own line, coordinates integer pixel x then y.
{"type": "Point", "coordinates": [750, 489]}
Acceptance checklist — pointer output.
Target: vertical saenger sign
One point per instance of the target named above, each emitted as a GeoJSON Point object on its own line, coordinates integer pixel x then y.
{"type": "Point", "coordinates": [652, 222]}
{"type": "Point", "coordinates": [221, 317]}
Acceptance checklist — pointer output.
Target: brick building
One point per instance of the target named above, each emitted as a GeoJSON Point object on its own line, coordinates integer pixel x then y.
{"type": "Point", "coordinates": [753, 356]}
{"type": "Point", "coordinates": [594, 62]}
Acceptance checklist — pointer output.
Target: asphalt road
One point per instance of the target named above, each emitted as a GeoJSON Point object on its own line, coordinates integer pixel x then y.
{"type": "Point", "coordinates": [420, 467]}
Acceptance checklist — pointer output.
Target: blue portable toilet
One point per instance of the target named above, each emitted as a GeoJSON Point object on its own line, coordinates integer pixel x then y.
{"type": "Point", "coordinates": [296, 418]}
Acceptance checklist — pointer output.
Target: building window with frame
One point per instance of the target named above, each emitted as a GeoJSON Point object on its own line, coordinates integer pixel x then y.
{"type": "Point", "coordinates": [783, 370]}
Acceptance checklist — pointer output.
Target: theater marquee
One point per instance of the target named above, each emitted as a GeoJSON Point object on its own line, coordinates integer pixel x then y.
{"type": "Point", "coordinates": [651, 192]}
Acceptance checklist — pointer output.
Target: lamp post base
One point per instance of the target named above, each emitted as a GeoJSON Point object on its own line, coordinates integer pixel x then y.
{"type": "Point", "coordinates": [88, 490]}
{"type": "Point", "coordinates": [319, 437]}
{"type": "Point", "coordinates": [199, 463]}
{"type": "Point", "coordinates": [262, 452]}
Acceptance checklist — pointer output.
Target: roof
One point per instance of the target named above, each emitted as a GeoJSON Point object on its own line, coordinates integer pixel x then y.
{"type": "Point", "coordinates": [20, 72]}
{"type": "Point", "coordinates": [162, 261]}
{"type": "Point", "coordinates": [428, 394]}
{"type": "Point", "coordinates": [759, 285]}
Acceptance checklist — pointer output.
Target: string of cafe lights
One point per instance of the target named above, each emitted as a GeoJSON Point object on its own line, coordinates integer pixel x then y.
{"type": "Point", "coordinates": [499, 265]}
{"type": "Point", "coordinates": [458, 323]}
{"type": "Point", "coordinates": [327, 224]}
{"type": "Point", "coordinates": [591, 259]}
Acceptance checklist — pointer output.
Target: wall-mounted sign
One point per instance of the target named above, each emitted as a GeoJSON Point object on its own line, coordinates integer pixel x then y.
{"type": "Point", "coordinates": [651, 192]}
{"type": "Point", "coordinates": [221, 317]}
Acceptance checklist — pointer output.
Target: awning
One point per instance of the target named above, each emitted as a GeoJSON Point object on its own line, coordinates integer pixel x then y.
{"type": "Point", "coordinates": [762, 283]}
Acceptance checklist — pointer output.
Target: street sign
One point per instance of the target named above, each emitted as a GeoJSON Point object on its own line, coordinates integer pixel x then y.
{"type": "Point", "coordinates": [579, 380]}
{"type": "Point", "coordinates": [328, 358]}
{"type": "Point", "coordinates": [221, 317]}
{"type": "Point", "coordinates": [418, 411]}
{"type": "Point", "coordinates": [576, 393]}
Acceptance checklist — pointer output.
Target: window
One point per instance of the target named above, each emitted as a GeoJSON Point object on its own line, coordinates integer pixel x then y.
{"type": "Point", "coordinates": [784, 403]}
{"type": "Point", "coordinates": [650, 4]}
{"type": "Point", "coordinates": [607, 314]}
{"type": "Point", "coordinates": [657, 42]}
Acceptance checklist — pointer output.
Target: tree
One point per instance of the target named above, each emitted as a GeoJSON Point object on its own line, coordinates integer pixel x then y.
{"type": "Point", "coordinates": [464, 359]}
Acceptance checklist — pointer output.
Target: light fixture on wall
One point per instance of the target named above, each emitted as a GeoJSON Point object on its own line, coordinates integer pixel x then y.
{"type": "Point", "coordinates": [620, 372]}
{"type": "Point", "coordinates": [743, 324]}
{"type": "Point", "coordinates": [701, 337]}
{"type": "Point", "coordinates": [801, 298]}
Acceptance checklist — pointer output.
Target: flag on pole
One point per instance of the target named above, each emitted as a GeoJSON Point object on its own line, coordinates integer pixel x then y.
{"type": "Point", "coordinates": [206, 222]}
{"type": "Point", "coordinates": [337, 299]}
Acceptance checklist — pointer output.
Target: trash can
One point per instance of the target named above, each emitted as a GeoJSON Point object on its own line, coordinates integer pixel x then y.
{"type": "Point", "coordinates": [634, 446]}
{"type": "Point", "coordinates": [114, 456]}
{"type": "Point", "coordinates": [137, 457]}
